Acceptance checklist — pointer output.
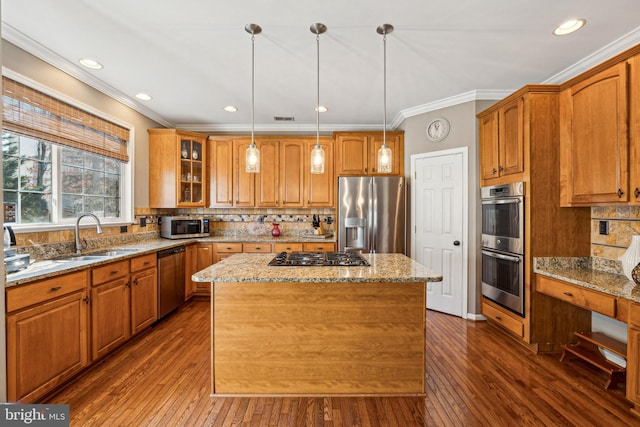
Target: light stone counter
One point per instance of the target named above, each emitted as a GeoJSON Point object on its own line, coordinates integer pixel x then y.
{"type": "Point", "coordinates": [586, 273]}
{"type": "Point", "coordinates": [251, 267]}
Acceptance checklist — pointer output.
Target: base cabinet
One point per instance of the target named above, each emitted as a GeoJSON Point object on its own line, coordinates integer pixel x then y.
{"type": "Point", "coordinates": [47, 335]}
{"type": "Point", "coordinates": [633, 356]}
{"type": "Point", "coordinates": [144, 293]}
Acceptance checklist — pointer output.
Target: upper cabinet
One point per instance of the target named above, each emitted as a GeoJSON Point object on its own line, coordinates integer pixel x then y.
{"type": "Point", "coordinates": [177, 169]}
{"type": "Point", "coordinates": [284, 179]}
{"type": "Point", "coordinates": [357, 152]}
{"type": "Point", "coordinates": [502, 143]}
{"type": "Point", "coordinates": [594, 138]}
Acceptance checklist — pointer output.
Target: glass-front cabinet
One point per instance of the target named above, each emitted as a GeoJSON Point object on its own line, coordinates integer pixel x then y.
{"type": "Point", "coordinates": [177, 168]}
{"type": "Point", "coordinates": [191, 172]}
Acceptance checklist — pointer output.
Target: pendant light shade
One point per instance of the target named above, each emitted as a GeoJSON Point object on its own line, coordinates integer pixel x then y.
{"type": "Point", "coordinates": [385, 156]}
{"type": "Point", "coordinates": [253, 154]}
{"type": "Point", "coordinates": [317, 154]}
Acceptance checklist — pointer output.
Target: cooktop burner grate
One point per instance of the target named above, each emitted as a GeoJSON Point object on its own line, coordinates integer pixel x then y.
{"type": "Point", "coordinates": [319, 259]}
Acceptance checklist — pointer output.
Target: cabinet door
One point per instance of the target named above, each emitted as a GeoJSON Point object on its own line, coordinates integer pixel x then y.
{"type": "Point", "coordinates": [244, 182]}
{"type": "Point", "coordinates": [394, 142]}
{"type": "Point", "coordinates": [110, 316]}
{"type": "Point", "coordinates": [634, 126]}
{"type": "Point", "coordinates": [267, 180]}
{"type": "Point", "coordinates": [204, 258]}
{"type": "Point", "coordinates": [633, 365]}
{"type": "Point", "coordinates": [191, 179]}
{"type": "Point", "coordinates": [511, 138]}
{"type": "Point", "coordinates": [220, 160]}
{"type": "Point", "coordinates": [352, 154]}
{"type": "Point", "coordinates": [593, 139]}
{"type": "Point", "coordinates": [292, 171]}
{"type": "Point", "coordinates": [319, 188]}
{"type": "Point", "coordinates": [144, 299]}
{"type": "Point", "coordinates": [46, 345]}
{"type": "Point", "coordinates": [488, 132]}
{"type": "Point", "coordinates": [191, 267]}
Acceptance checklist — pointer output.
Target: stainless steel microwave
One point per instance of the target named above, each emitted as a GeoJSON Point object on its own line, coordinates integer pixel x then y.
{"type": "Point", "coordinates": [183, 227]}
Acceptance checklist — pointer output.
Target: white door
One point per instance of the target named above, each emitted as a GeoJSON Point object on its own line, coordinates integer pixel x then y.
{"type": "Point", "coordinates": [439, 218]}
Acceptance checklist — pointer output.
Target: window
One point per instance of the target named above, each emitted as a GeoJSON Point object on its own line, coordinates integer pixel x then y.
{"type": "Point", "coordinates": [38, 176]}
{"type": "Point", "coordinates": [60, 160]}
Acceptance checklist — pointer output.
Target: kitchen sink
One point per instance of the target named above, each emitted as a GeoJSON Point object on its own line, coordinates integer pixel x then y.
{"type": "Point", "coordinates": [93, 257]}
{"type": "Point", "coordinates": [112, 252]}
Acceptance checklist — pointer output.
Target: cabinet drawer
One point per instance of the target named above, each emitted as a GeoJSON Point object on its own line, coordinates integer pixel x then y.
{"type": "Point", "coordinates": [109, 272]}
{"type": "Point", "coordinates": [576, 295]}
{"type": "Point", "coordinates": [227, 247]}
{"type": "Point", "coordinates": [256, 247]}
{"type": "Point", "coordinates": [142, 262]}
{"type": "Point", "coordinates": [506, 320]}
{"type": "Point", "coordinates": [634, 315]}
{"type": "Point", "coordinates": [319, 247]}
{"type": "Point", "coordinates": [287, 247]}
{"type": "Point", "coordinates": [33, 293]}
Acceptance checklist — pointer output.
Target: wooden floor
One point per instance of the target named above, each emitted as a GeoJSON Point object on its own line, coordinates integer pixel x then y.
{"type": "Point", "coordinates": [476, 376]}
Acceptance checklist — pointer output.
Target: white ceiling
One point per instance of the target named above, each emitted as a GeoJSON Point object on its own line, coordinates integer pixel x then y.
{"type": "Point", "coordinates": [194, 56]}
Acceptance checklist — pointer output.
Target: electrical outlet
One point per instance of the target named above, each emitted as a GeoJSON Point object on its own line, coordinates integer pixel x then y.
{"type": "Point", "coordinates": [603, 228]}
{"type": "Point", "coordinates": [124, 228]}
{"type": "Point", "coordinates": [143, 221]}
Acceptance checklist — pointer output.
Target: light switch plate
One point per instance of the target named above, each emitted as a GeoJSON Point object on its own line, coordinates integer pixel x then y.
{"type": "Point", "coordinates": [603, 228]}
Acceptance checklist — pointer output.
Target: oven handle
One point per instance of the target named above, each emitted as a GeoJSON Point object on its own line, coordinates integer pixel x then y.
{"type": "Point", "coordinates": [501, 201]}
{"type": "Point", "coordinates": [500, 256]}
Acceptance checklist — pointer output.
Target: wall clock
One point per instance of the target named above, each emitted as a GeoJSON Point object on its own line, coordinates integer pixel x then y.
{"type": "Point", "coordinates": [438, 129]}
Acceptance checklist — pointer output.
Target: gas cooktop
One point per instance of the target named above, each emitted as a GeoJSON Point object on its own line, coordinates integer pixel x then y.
{"type": "Point", "coordinates": [319, 259]}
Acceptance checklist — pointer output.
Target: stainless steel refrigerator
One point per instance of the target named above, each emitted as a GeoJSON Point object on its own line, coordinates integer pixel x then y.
{"type": "Point", "coordinates": [372, 214]}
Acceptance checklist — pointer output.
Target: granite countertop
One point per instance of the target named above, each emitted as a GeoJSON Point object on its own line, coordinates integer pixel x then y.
{"type": "Point", "coordinates": [249, 267]}
{"type": "Point", "coordinates": [44, 269]}
{"type": "Point", "coordinates": [587, 273]}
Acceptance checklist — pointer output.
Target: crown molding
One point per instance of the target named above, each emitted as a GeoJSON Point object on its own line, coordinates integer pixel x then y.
{"type": "Point", "coordinates": [280, 128]}
{"type": "Point", "coordinates": [474, 95]}
{"type": "Point", "coordinates": [36, 49]}
{"type": "Point", "coordinates": [625, 42]}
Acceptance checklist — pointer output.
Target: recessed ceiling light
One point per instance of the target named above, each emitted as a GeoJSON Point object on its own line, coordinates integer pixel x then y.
{"type": "Point", "coordinates": [143, 96]}
{"type": "Point", "coordinates": [230, 109]}
{"type": "Point", "coordinates": [569, 27]}
{"type": "Point", "coordinates": [91, 63]}
{"type": "Point", "coordinates": [321, 109]}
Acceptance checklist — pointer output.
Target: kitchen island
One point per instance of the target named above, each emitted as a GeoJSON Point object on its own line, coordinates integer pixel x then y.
{"type": "Point", "coordinates": [317, 330]}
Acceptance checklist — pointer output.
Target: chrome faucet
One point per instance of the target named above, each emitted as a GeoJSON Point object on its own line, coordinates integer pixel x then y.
{"type": "Point", "coordinates": [79, 245]}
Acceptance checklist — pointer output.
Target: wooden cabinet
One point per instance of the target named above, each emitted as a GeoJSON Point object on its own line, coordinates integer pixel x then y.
{"type": "Point", "coordinates": [357, 152]}
{"type": "Point", "coordinates": [577, 295]}
{"type": "Point", "coordinates": [319, 247]}
{"type": "Point", "coordinates": [190, 267]}
{"type": "Point", "coordinates": [287, 247]}
{"type": "Point", "coordinates": [267, 180]}
{"type": "Point", "coordinates": [144, 292]}
{"type": "Point", "coordinates": [319, 189]}
{"type": "Point", "coordinates": [521, 132]}
{"type": "Point", "coordinates": [225, 250]}
{"type": "Point", "coordinates": [204, 257]}
{"type": "Point", "coordinates": [594, 139]}
{"type": "Point", "coordinates": [502, 143]}
{"type": "Point", "coordinates": [633, 356]}
{"type": "Point", "coordinates": [110, 308]}
{"type": "Point", "coordinates": [221, 172]}
{"type": "Point", "coordinates": [177, 169]}
{"type": "Point", "coordinates": [256, 248]}
{"type": "Point", "coordinates": [293, 166]}
{"type": "Point", "coordinates": [47, 335]}
{"type": "Point", "coordinates": [244, 183]}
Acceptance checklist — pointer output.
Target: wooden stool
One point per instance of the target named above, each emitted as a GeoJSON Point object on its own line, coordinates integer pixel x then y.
{"type": "Point", "coordinates": [587, 349]}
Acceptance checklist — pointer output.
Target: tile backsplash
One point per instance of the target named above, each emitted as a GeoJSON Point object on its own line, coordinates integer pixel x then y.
{"type": "Point", "coordinates": [623, 221]}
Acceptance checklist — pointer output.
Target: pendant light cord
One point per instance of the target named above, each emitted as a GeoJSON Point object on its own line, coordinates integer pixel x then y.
{"type": "Point", "coordinates": [384, 128]}
{"type": "Point", "coordinates": [318, 91]}
{"type": "Point", "coordinates": [253, 90]}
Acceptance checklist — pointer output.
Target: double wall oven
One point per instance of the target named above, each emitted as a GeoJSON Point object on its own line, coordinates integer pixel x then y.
{"type": "Point", "coordinates": [503, 245]}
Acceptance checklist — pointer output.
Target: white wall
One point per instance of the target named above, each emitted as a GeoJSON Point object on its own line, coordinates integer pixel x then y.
{"type": "Point", "coordinates": [463, 133]}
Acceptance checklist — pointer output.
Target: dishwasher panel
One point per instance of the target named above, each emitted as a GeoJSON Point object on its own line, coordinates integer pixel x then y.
{"type": "Point", "coordinates": [170, 280]}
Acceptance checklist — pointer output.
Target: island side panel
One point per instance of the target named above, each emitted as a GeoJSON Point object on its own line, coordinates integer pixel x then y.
{"type": "Point", "coordinates": [318, 338]}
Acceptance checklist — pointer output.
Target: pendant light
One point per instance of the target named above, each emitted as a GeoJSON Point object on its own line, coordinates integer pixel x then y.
{"type": "Point", "coordinates": [253, 154]}
{"type": "Point", "coordinates": [385, 156]}
{"type": "Point", "coordinates": [317, 154]}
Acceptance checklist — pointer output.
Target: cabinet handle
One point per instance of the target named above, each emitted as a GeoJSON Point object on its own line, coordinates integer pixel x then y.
{"type": "Point", "coordinates": [569, 294]}
{"type": "Point", "coordinates": [86, 300]}
{"type": "Point", "coordinates": [498, 318]}
{"type": "Point", "coordinates": [128, 285]}
{"type": "Point", "coordinates": [636, 192]}
{"type": "Point", "coordinates": [56, 288]}
{"type": "Point", "coordinates": [135, 282]}
{"type": "Point", "coordinates": [500, 168]}
{"type": "Point", "coordinates": [494, 171]}
{"type": "Point", "coordinates": [620, 192]}
{"type": "Point", "coordinates": [113, 272]}
{"type": "Point", "coordinates": [147, 263]}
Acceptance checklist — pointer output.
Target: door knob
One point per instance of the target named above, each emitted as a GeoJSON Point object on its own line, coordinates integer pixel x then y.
{"type": "Point", "coordinates": [456, 243]}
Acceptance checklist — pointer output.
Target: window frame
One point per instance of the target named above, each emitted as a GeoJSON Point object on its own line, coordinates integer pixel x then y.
{"type": "Point", "coordinates": [127, 178]}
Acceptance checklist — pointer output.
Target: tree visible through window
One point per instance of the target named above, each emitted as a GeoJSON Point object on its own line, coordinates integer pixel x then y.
{"type": "Point", "coordinates": [39, 175]}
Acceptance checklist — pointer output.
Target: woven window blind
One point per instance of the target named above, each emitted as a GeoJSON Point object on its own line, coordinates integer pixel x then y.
{"type": "Point", "coordinates": [32, 113]}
